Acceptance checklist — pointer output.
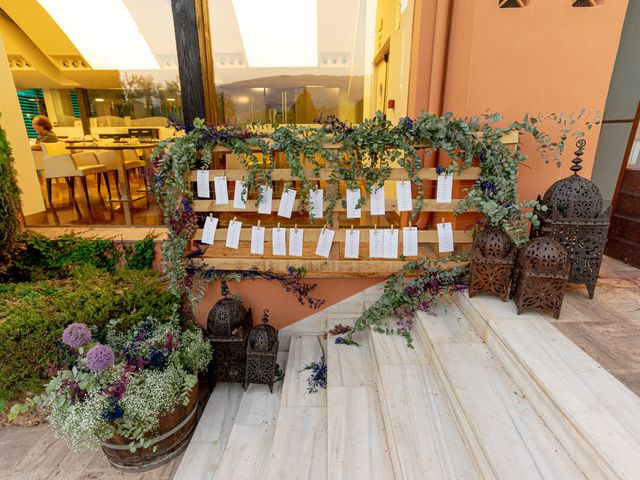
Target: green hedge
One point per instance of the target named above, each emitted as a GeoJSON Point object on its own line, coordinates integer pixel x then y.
{"type": "Point", "coordinates": [9, 201]}
{"type": "Point", "coordinates": [33, 316]}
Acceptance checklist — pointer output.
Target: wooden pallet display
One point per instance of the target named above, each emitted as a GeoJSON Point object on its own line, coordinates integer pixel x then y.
{"type": "Point", "coordinates": [336, 265]}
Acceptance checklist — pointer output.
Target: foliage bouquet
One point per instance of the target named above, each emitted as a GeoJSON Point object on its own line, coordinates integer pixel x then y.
{"type": "Point", "coordinates": [122, 385]}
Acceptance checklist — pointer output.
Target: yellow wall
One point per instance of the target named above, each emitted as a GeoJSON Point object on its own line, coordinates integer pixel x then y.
{"type": "Point", "coordinates": [11, 121]}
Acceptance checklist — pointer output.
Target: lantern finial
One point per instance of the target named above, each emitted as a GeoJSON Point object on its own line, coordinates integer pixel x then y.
{"type": "Point", "coordinates": [265, 316]}
{"type": "Point", "coordinates": [577, 161]}
{"type": "Point", "coordinates": [224, 288]}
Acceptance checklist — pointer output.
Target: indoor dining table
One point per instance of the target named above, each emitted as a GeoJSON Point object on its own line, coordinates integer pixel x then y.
{"type": "Point", "coordinates": [125, 194]}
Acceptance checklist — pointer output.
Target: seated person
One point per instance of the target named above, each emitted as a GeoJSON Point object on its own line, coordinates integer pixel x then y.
{"type": "Point", "coordinates": [44, 129]}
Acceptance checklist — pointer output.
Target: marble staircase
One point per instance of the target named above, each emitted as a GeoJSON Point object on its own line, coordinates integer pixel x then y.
{"type": "Point", "coordinates": [484, 394]}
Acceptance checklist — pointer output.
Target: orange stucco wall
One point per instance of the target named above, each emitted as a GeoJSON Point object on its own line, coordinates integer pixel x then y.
{"type": "Point", "coordinates": [546, 57]}
{"type": "Point", "coordinates": [283, 307]}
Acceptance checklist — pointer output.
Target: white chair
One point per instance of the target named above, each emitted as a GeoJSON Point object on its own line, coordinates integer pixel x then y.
{"type": "Point", "coordinates": [54, 148]}
{"type": "Point", "coordinates": [66, 166]}
{"type": "Point", "coordinates": [112, 162]}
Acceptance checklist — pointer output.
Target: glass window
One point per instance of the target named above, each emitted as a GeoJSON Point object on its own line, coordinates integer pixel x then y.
{"type": "Point", "coordinates": [291, 61]}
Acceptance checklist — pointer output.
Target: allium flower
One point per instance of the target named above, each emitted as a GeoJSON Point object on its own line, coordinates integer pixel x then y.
{"type": "Point", "coordinates": [76, 335]}
{"type": "Point", "coordinates": [100, 358]}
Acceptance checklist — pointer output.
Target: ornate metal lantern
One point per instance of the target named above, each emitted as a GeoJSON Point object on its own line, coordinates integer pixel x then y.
{"type": "Point", "coordinates": [227, 327]}
{"type": "Point", "coordinates": [492, 259]}
{"type": "Point", "coordinates": [262, 353]}
{"type": "Point", "coordinates": [541, 274]}
{"type": "Point", "coordinates": [576, 219]}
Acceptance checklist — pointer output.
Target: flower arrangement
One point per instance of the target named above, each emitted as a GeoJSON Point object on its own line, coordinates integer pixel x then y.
{"type": "Point", "coordinates": [123, 385]}
{"type": "Point", "coordinates": [367, 152]}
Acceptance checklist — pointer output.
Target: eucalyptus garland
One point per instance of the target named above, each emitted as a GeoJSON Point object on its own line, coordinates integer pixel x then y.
{"type": "Point", "coordinates": [356, 154]}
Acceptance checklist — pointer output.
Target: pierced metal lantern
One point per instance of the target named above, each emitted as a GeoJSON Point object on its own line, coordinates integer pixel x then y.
{"type": "Point", "coordinates": [541, 275]}
{"type": "Point", "coordinates": [227, 327]}
{"type": "Point", "coordinates": [576, 219]}
{"type": "Point", "coordinates": [492, 260]}
{"type": "Point", "coordinates": [262, 354]}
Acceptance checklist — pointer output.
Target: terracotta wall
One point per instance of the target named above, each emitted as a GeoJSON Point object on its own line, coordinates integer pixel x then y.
{"type": "Point", "coordinates": [546, 57]}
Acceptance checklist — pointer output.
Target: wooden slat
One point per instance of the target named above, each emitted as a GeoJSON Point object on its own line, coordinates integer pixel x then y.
{"type": "Point", "coordinates": [284, 174]}
{"type": "Point", "coordinates": [312, 234]}
{"type": "Point", "coordinates": [428, 205]}
{"type": "Point", "coordinates": [317, 268]}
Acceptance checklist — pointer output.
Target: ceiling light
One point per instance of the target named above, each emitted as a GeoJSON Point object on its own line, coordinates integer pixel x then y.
{"type": "Point", "coordinates": [171, 99]}
{"type": "Point", "coordinates": [265, 45]}
{"type": "Point", "coordinates": [98, 99]}
{"type": "Point", "coordinates": [104, 32]}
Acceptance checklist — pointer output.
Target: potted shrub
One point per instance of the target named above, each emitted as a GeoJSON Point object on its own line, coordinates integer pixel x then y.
{"type": "Point", "coordinates": [134, 394]}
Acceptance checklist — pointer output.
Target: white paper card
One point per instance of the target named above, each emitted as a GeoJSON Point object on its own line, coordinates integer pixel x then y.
{"type": "Point", "coordinates": [352, 244]}
{"type": "Point", "coordinates": [390, 249]}
{"type": "Point", "coordinates": [377, 201]}
{"type": "Point", "coordinates": [257, 240]}
{"type": "Point", "coordinates": [353, 196]}
{"type": "Point", "coordinates": [240, 195]}
{"type": "Point", "coordinates": [233, 234]}
{"type": "Point", "coordinates": [286, 203]}
{"type": "Point", "coordinates": [317, 203]}
{"type": "Point", "coordinates": [296, 237]}
{"type": "Point", "coordinates": [279, 241]}
{"type": "Point", "coordinates": [222, 193]}
{"type": "Point", "coordinates": [445, 188]}
{"type": "Point", "coordinates": [410, 241]}
{"type": "Point", "coordinates": [445, 238]}
{"type": "Point", "coordinates": [376, 243]}
{"type": "Point", "coordinates": [324, 242]}
{"type": "Point", "coordinates": [209, 230]}
{"type": "Point", "coordinates": [266, 196]}
{"type": "Point", "coordinates": [403, 192]}
{"type": "Point", "coordinates": [202, 182]}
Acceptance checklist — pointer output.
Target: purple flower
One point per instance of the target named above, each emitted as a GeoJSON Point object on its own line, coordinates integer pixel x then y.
{"type": "Point", "coordinates": [408, 123]}
{"type": "Point", "coordinates": [100, 358]}
{"type": "Point", "coordinates": [113, 411]}
{"type": "Point", "coordinates": [76, 335]}
{"type": "Point", "coordinates": [339, 340]}
{"type": "Point", "coordinates": [438, 169]}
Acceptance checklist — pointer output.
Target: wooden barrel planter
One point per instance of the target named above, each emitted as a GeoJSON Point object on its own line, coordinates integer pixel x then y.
{"type": "Point", "coordinates": [171, 440]}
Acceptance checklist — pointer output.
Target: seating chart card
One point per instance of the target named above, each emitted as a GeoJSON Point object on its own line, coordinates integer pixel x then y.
{"type": "Point", "coordinates": [353, 197]}
{"type": "Point", "coordinates": [376, 243]}
{"type": "Point", "coordinates": [286, 203]}
{"type": "Point", "coordinates": [445, 188]}
{"type": "Point", "coordinates": [209, 230]}
{"type": "Point", "coordinates": [222, 194]}
{"type": "Point", "coordinates": [233, 234]}
{"type": "Point", "coordinates": [410, 241]}
{"type": "Point", "coordinates": [390, 248]}
{"type": "Point", "coordinates": [296, 237]}
{"type": "Point", "coordinates": [352, 243]}
{"type": "Point", "coordinates": [240, 195]}
{"type": "Point", "coordinates": [324, 242]}
{"type": "Point", "coordinates": [257, 240]}
{"type": "Point", "coordinates": [279, 241]}
{"type": "Point", "coordinates": [377, 201]}
{"type": "Point", "coordinates": [403, 191]}
{"type": "Point", "coordinates": [266, 196]}
{"type": "Point", "coordinates": [317, 203]}
{"type": "Point", "coordinates": [202, 182]}
{"type": "Point", "coordinates": [445, 238]}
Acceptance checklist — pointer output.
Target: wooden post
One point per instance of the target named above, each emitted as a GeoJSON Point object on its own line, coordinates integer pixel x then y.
{"type": "Point", "coordinates": [190, 67]}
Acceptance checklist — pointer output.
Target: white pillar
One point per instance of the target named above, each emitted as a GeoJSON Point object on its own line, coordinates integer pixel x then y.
{"type": "Point", "coordinates": [11, 121]}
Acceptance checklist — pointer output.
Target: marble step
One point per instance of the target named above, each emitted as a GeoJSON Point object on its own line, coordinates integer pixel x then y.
{"type": "Point", "coordinates": [504, 433]}
{"type": "Point", "coordinates": [356, 439]}
{"type": "Point", "coordinates": [423, 439]}
{"type": "Point", "coordinates": [208, 443]}
{"type": "Point", "coordinates": [299, 447]}
{"type": "Point", "coordinates": [249, 445]}
{"type": "Point", "coordinates": [594, 416]}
